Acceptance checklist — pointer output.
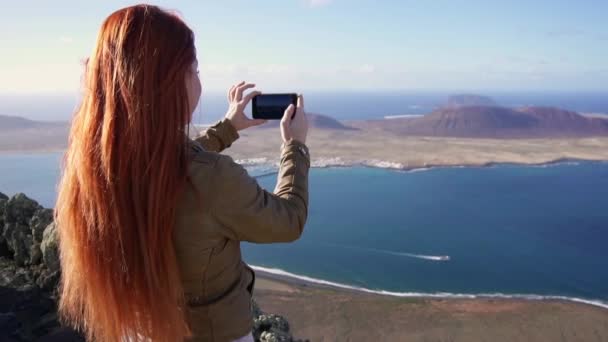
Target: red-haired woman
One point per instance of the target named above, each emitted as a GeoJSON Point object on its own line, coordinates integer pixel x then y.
{"type": "Point", "coordinates": [150, 221]}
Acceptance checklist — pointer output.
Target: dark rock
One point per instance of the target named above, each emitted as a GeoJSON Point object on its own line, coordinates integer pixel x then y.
{"type": "Point", "coordinates": [62, 334]}
{"type": "Point", "coordinates": [18, 238]}
{"type": "Point", "coordinates": [4, 251]}
{"type": "Point", "coordinates": [50, 248]}
{"type": "Point", "coordinates": [41, 219]}
{"type": "Point", "coordinates": [18, 212]}
{"type": "Point", "coordinates": [48, 280]}
{"type": "Point", "coordinates": [20, 209]}
{"type": "Point", "coordinates": [270, 327]}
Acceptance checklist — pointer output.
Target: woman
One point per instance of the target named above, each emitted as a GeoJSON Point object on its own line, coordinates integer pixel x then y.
{"type": "Point", "coordinates": [150, 222]}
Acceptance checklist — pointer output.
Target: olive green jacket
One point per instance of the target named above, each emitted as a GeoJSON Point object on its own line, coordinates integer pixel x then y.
{"type": "Point", "coordinates": [222, 206]}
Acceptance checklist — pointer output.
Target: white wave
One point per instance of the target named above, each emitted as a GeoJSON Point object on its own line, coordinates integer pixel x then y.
{"type": "Point", "coordinates": [384, 251]}
{"type": "Point", "coordinates": [383, 164]}
{"type": "Point", "coordinates": [401, 116]}
{"type": "Point", "coordinates": [283, 273]}
{"type": "Point", "coordinates": [253, 161]}
{"type": "Point", "coordinates": [329, 162]}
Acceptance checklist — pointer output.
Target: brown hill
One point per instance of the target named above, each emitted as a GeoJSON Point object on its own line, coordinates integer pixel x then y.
{"type": "Point", "coordinates": [21, 134]}
{"type": "Point", "coordinates": [12, 123]}
{"type": "Point", "coordinates": [495, 122]}
{"type": "Point", "coordinates": [315, 120]}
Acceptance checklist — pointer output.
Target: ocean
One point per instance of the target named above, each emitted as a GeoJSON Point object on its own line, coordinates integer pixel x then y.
{"type": "Point", "coordinates": [506, 230]}
{"type": "Point", "coordinates": [342, 105]}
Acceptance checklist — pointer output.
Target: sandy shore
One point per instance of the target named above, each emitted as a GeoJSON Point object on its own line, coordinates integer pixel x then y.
{"type": "Point", "coordinates": [325, 313]}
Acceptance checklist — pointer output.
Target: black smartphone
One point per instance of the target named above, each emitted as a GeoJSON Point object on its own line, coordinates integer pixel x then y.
{"type": "Point", "coordinates": [272, 106]}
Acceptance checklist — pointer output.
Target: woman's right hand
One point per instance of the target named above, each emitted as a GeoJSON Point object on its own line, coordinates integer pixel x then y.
{"type": "Point", "coordinates": [296, 128]}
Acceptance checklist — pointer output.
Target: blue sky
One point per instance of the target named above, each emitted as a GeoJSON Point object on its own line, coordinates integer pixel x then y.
{"type": "Point", "coordinates": [335, 44]}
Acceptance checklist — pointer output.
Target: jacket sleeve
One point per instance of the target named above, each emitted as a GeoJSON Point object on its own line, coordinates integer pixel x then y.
{"type": "Point", "coordinates": [249, 213]}
{"type": "Point", "coordinates": [219, 136]}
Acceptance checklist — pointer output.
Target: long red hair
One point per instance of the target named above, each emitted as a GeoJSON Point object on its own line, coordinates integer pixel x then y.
{"type": "Point", "coordinates": [123, 172]}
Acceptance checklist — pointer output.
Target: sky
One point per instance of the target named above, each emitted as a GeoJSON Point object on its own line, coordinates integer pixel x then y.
{"type": "Point", "coordinates": [281, 45]}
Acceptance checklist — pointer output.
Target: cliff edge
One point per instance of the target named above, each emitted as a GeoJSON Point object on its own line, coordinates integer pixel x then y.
{"type": "Point", "coordinates": [30, 272]}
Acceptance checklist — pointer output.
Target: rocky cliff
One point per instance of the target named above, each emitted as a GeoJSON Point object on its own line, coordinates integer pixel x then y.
{"type": "Point", "coordinates": [30, 271]}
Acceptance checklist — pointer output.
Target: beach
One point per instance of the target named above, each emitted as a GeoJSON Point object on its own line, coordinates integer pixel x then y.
{"type": "Point", "coordinates": [327, 313]}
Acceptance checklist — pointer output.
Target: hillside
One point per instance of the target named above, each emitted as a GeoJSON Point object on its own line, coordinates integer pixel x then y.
{"type": "Point", "coordinates": [11, 123]}
{"type": "Point", "coordinates": [21, 134]}
{"type": "Point", "coordinates": [494, 122]}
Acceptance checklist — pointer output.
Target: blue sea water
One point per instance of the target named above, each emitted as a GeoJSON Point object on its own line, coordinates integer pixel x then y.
{"type": "Point", "coordinates": [342, 105]}
{"type": "Point", "coordinates": [506, 229]}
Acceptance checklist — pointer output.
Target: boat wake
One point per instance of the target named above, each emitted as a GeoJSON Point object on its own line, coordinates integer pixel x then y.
{"type": "Point", "coordinates": [284, 274]}
{"type": "Point", "coordinates": [384, 251]}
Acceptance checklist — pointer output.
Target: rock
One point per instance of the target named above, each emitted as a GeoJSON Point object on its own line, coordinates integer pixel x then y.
{"type": "Point", "coordinates": [18, 212]}
{"type": "Point", "coordinates": [20, 209]}
{"type": "Point", "coordinates": [18, 238]}
{"type": "Point", "coordinates": [270, 327]}
{"type": "Point", "coordinates": [48, 280]}
{"type": "Point", "coordinates": [50, 248]}
{"type": "Point", "coordinates": [41, 219]}
{"type": "Point", "coordinates": [4, 251]}
{"type": "Point", "coordinates": [34, 312]}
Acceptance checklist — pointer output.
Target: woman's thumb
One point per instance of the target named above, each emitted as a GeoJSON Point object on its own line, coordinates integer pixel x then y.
{"type": "Point", "coordinates": [288, 113]}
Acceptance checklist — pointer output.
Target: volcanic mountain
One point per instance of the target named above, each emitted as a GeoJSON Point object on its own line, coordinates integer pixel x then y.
{"type": "Point", "coordinates": [495, 122]}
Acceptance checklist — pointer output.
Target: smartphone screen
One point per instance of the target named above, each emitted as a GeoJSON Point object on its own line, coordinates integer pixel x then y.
{"type": "Point", "coordinates": [271, 106]}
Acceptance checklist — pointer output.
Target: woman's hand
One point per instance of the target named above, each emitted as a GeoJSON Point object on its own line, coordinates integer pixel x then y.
{"type": "Point", "coordinates": [296, 128]}
{"type": "Point", "coordinates": [236, 106]}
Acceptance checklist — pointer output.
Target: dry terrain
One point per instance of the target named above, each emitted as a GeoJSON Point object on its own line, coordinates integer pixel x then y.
{"type": "Point", "coordinates": [370, 147]}
{"type": "Point", "coordinates": [328, 314]}
{"type": "Point", "coordinates": [373, 142]}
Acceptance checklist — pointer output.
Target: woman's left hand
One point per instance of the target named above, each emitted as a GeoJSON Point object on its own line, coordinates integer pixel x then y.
{"type": "Point", "coordinates": [237, 103]}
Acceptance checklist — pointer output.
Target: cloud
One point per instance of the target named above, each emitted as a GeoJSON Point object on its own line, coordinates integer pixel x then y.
{"type": "Point", "coordinates": [66, 40]}
{"type": "Point", "coordinates": [568, 32]}
{"type": "Point", "coordinates": [318, 3]}
{"type": "Point", "coordinates": [366, 69]}
{"type": "Point", "coordinates": [574, 32]}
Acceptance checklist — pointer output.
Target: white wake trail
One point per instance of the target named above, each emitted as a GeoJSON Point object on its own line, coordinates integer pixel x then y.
{"type": "Point", "coordinates": [384, 251]}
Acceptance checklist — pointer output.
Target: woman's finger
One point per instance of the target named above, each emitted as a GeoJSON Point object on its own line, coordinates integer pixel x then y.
{"type": "Point", "coordinates": [250, 96]}
{"type": "Point", "coordinates": [301, 102]}
{"type": "Point", "coordinates": [233, 90]}
{"type": "Point", "coordinates": [287, 115]}
{"type": "Point", "coordinates": [229, 94]}
{"type": "Point", "coordinates": [240, 89]}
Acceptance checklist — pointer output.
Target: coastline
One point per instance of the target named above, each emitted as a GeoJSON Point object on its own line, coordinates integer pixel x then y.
{"type": "Point", "coordinates": [340, 162]}
{"type": "Point", "coordinates": [336, 162]}
{"type": "Point", "coordinates": [324, 312]}
{"type": "Point", "coordinates": [288, 278]}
